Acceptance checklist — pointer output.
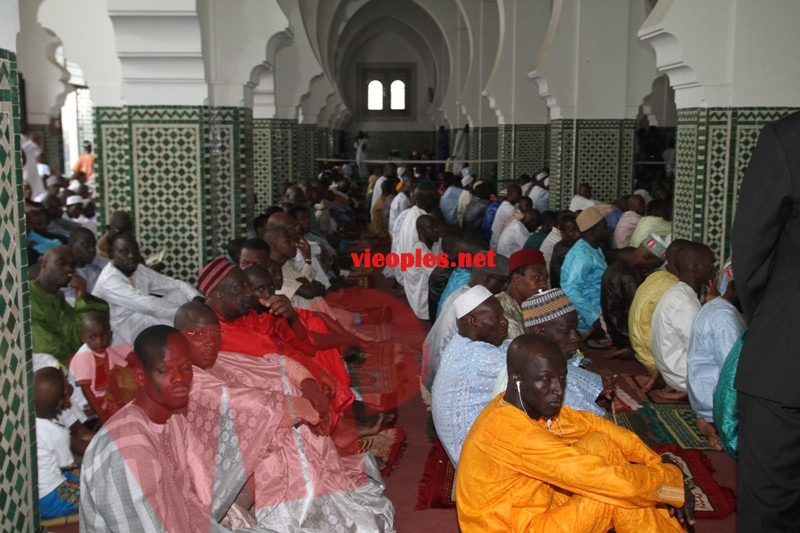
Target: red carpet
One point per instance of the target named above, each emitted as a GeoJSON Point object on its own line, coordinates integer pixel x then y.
{"type": "Point", "coordinates": [711, 501]}
{"type": "Point", "coordinates": [436, 486]}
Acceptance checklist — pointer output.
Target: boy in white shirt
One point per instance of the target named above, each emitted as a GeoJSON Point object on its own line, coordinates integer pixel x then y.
{"type": "Point", "coordinates": [59, 491]}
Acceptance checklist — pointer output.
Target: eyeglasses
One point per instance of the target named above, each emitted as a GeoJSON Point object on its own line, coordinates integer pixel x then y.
{"type": "Point", "coordinates": [204, 333]}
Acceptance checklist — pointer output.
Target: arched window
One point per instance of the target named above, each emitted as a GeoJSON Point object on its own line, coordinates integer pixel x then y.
{"type": "Point", "coordinates": [398, 92]}
{"type": "Point", "coordinates": [375, 96]}
{"type": "Point", "coordinates": [386, 91]}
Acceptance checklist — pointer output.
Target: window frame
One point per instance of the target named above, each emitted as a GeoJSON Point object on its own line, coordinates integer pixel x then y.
{"type": "Point", "coordinates": [386, 73]}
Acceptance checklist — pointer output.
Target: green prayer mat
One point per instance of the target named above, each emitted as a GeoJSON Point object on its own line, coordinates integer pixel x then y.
{"type": "Point", "coordinates": [675, 424]}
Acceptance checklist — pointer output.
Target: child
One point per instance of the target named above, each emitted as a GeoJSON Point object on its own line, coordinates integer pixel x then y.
{"type": "Point", "coordinates": [59, 492]}
{"type": "Point", "coordinates": [97, 367]}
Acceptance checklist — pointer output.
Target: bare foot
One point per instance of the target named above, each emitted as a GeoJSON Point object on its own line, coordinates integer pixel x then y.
{"type": "Point", "coordinates": [669, 394]}
{"type": "Point", "coordinates": [710, 432]}
{"type": "Point", "coordinates": [650, 382]}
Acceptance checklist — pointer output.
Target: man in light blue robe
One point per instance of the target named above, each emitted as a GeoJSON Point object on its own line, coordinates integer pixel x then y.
{"type": "Point", "coordinates": [583, 268]}
{"type": "Point", "coordinates": [464, 383]}
{"type": "Point", "coordinates": [714, 332]}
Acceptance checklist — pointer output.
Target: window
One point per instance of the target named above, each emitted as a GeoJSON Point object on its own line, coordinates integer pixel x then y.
{"type": "Point", "coordinates": [398, 98]}
{"type": "Point", "coordinates": [375, 96]}
{"type": "Point", "coordinates": [386, 91]}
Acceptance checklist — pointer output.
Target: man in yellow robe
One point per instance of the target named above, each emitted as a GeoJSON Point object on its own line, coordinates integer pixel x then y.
{"type": "Point", "coordinates": [640, 315]}
{"type": "Point", "coordinates": [529, 464]}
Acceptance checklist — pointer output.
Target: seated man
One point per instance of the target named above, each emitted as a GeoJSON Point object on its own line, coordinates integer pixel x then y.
{"type": "Point", "coordinates": [280, 331]}
{"type": "Point", "coordinates": [87, 264]}
{"type": "Point", "coordinates": [582, 271]}
{"type": "Point", "coordinates": [306, 254]}
{"type": "Point", "coordinates": [118, 222]}
{"type": "Point", "coordinates": [551, 314]}
{"type": "Point", "coordinates": [675, 313]}
{"type": "Point", "coordinates": [138, 296]}
{"type": "Point", "coordinates": [514, 236]}
{"type": "Point", "coordinates": [55, 325]}
{"type": "Point", "coordinates": [298, 285]}
{"type": "Point", "coordinates": [527, 276]}
{"type": "Point", "coordinates": [56, 223]}
{"type": "Point", "coordinates": [136, 473]}
{"type": "Point", "coordinates": [468, 368]}
{"type": "Point", "coordinates": [657, 221]}
{"type": "Point", "coordinates": [446, 326]}
{"type": "Point", "coordinates": [254, 252]}
{"type": "Point", "coordinates": [352, 487]}
{"type": "Point", "coordinates": [569, 234]}
{"type": "Point", "coordinates": [619, 285]}
{"type": "Point", "coordinates": [529, 464]}
{"type": "Point", "coordinates": [715, 330]}
{"type": "Point", "coordinates": [640, 314]}
{"type": "Point", "coordinates": [416, 277]}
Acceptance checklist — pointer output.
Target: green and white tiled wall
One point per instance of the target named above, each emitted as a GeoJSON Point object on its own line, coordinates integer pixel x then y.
{"type": "Point", "coordinates": [181, 171]}
{"type": "Point", "coordinates": [599, 152]}
{"type": "Point", "coordinates": [19, 503]}
{"type": "Point", "coordinates": [713, 148]}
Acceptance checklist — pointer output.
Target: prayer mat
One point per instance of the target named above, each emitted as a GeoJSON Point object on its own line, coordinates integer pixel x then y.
{"type": "Point", "coordinates": [711, 501]}
{"type": "Point", "coordinates": [386, 446]}
{"type": "Point", "coordinates": [362, 277]}
{"type": "Point", "coordinates": [437, 487]}
{"type": "Point", "coordinates": [634, 422]}
{"type": "Point", "coordinates": [676, 424]}
{"type": "Point", "coordinates": [377, 378]}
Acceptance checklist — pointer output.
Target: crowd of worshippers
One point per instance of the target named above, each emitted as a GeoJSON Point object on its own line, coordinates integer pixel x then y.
{"type": "Point", "coordinates": [506, 340]}
{"type": "Point", "coordinates": [223, 404]}
{"type": "Point", "coordinates": [146, 380]}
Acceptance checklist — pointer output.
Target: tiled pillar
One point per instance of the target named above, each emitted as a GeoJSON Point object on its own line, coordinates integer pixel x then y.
{"type": "Point", "coordinates": [226, 176]}
{"type": "Point", "coordinates": [483, 144]}
{"type": "Point", "coordinates": [599, 152]}
{"type": "Point", "coordinates": [181, 171]}
{"type": "Point", "coordinates": [19, 503]}
{"type": "Point", "coordinates": [712, 150]}
{"type": "Point", "coordinates": [274, 146]}
{"type": "Point", "coordinates": [306, 151]}
{"type": "Point", "coordinates": [526, 146]}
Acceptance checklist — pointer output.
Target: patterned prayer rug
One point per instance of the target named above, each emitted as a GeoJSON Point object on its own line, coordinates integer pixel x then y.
{"type": "Point", "coordinates": [437, 487]}
{"type": "Point", "coordinates": [377, 379]}
{"type": "Point", "coordinates": [711, 501]}
{"type": "Point", "coordinates": [633, 421]}
{"type": "Point", "coordinates": [386, 446]}
{"type": "Point", "coordinates": [676, 424]}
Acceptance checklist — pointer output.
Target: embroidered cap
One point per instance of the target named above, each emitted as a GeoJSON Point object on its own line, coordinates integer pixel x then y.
{"type": "Point", "coordinates": [545, 306]}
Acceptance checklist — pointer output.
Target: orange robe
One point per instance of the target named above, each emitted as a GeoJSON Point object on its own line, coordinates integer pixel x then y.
{"type": "Point", "coordinates": [585, 474]}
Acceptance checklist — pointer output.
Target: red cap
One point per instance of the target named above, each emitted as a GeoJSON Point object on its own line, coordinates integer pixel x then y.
{"type": "Point", "coordinates": [213, 274]}
{"type": "Point", "coordinates": [525, 257]}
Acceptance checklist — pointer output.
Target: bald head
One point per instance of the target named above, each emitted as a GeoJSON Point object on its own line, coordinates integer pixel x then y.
{"type": "Point", "coordinates": [530, 347]}
{"type": "Point", "coordinates": [194, 315]}
{"type": "Point", "coordinates": [537, 376]}
{"type": "Point", "coordinates": [695, 264]}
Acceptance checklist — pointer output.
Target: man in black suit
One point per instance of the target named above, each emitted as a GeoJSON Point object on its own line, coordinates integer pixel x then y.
{"type": "Point", "coordinates": [766, 259]}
